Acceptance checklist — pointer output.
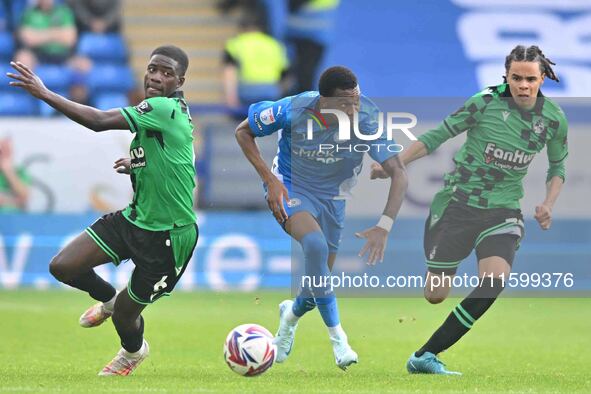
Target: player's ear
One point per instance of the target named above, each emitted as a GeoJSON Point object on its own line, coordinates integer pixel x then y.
{"type": "Point", "coordinates": [181, 82]}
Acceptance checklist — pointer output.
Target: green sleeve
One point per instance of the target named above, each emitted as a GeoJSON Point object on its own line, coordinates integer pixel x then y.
{"type": "Point", "coordinates": [150, 114]}
{"type": "Point", "coordinates": [462, 120]}
{"type": "Point", "coordinates": [557, 150]}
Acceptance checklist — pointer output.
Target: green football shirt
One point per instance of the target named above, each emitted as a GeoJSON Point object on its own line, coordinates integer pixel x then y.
{"type": "Point", "coordinates": [162, 163]}
{"type": "Point", "coordinates": [502, 139]}
{"type": "Point", "coordinates": [59, 16]}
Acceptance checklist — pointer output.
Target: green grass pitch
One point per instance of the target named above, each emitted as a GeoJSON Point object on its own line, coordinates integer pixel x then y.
{"type": "Point", "coordinates": [521, 345]}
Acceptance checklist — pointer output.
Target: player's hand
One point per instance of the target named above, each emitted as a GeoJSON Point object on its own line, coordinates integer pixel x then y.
{"type": "Point", "coordinates": [276, 194]}
{"type": "Point", "coordinates": [375, 245]}
{"type": "Point", "coordinates": [27, 80]}
{"type": "Point", "coordinates": [123, 166]}
{"type": "Point", "coordinates": [544, 216]}
{"type": "Point", "coordinates": [377, 172]}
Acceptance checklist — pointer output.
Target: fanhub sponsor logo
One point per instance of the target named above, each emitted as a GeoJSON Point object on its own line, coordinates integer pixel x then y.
{"type": "Point", "coordinates": [507, 159]}
{"type": "Point", "coordinates": [344, 131]}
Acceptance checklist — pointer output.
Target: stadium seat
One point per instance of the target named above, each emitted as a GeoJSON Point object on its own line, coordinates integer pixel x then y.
{"type": "Point", "coordinates": [17, 11]}
{"type": "Point", "coordinates": [103, 47]}
{"type": "Point", "coordinates": [4, 80]}
{"type": "Point", "coordinates": [55, 77]}
{"type": "Point", "coordinates": [4, 22]}
{"type": "Point", "coordinates": [18, 104]}
{"type": "Point", "coordinates": [6, 46]}
{"type": "Point", "coordinates": [110, 100]}
{"type": "Point", "coordinates": [110, 78]}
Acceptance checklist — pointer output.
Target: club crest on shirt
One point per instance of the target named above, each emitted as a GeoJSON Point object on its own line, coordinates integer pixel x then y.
{"type": "Point", "coordinates": [143, 108]}
{"type": "Point", "coordinates": [538, 125]}
{"type": "Point", "coordinates": [294, 202]}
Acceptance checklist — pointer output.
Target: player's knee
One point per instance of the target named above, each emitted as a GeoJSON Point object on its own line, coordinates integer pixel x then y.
{"type": "Point", "coordinates": [58, 268]}
{"type": "Point", "coordinates": [435, 297]}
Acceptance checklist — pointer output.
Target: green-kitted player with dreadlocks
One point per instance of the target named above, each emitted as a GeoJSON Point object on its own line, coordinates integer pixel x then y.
{"type": "Point", "coordinates": [478, 208]}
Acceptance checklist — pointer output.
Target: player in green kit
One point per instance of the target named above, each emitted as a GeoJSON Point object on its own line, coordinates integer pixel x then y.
{"type": "Point", "coordinates": [478, 207]}
{"type": "Point", "coordinates": [157, 230]}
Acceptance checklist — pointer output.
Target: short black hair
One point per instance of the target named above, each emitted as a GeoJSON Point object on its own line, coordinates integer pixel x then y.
{"type": "Point", "coordinates": [175, 53]}
{"type": "Point", "coordinates": [337, 77]}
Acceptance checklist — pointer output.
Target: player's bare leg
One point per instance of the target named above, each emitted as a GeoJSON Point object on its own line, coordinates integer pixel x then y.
{"type": "Point", "coordinates": [74, 264]}
{"type": "Point", "coordinates": [495, 266]}
{"type": "Point", "coordinates": [129, 324]}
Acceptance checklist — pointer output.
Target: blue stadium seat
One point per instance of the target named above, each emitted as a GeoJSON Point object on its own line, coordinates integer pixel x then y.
{"type": "Point", "coordinates": [18, 104]}
{"type": "Point", "coordinates": [109, 100]}
{"type": "Point", "coordinates": [4, 80]}
{"type": "Point", "coordinates": [18, 9]}
{"type": "Point", "coordinates": [4, 23]}
{"type": "Point", "coordinates": [103, 47]}
{"type": "Point", "coordinates": [6, 46]}
{"type": "Point", "coordinates": [110, 78]}
{"type": "Point", "coordinates": [55, 77]}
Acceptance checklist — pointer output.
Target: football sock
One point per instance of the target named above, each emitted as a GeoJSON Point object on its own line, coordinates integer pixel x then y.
{"type": "Point", "coordinates": [463, 317]}
{"type": "Point", "coordinates": [315, 250]}
{"type": "Point", "coordinates": [132, 337]}
{"type": "Point", "coordinates": [301, 305]}
{"type": "Point", "coordinates": [94, 285]}
{"type": "Point", "coordinates": [337, 333]}
{"type": "Point", "coordinates": [110, 305]}
{"type": "Point", "coordinates": [138, 354]}
{"type": "Point", "coordinates": [329, 310]}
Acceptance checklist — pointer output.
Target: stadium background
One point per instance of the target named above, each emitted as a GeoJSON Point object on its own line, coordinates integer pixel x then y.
{"type": "Point", "coordinates": [433, 52]}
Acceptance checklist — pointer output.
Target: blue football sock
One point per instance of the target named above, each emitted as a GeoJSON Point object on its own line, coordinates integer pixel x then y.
{"type": "Point", "coordinates": [315, 250]}
{"type": "Point", "coordinates": [302, 305]}
{"type": "Point", "coordinates": [329, 310]}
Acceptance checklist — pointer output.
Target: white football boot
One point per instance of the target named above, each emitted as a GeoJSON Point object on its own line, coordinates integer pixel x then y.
{"type": "Point", "coordinates": [286, 332]}
{"type": "Point", "coordinates": [125, 363]}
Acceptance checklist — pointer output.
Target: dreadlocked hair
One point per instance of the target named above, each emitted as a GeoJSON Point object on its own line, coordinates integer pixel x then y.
{"type": "Point", "coordinates": [533, 53]}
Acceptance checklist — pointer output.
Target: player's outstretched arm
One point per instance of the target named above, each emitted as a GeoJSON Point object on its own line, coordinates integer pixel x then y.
{"type": "Point", "coordinates": [87, 116]}
{"type": "Point", "coordinates": [276, 191]}
{"type": "Point", "coordinates": [377, 236]}
{"type": "Point", "coordinates": [414, 152]}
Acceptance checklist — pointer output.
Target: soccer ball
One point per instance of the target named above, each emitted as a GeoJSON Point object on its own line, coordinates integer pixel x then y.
{"type": "Point", "coordinates": [249, 350]}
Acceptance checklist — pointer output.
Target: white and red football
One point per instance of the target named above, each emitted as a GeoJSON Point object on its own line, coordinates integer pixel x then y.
{"type": "Point", "coordinates": [249, 350]}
